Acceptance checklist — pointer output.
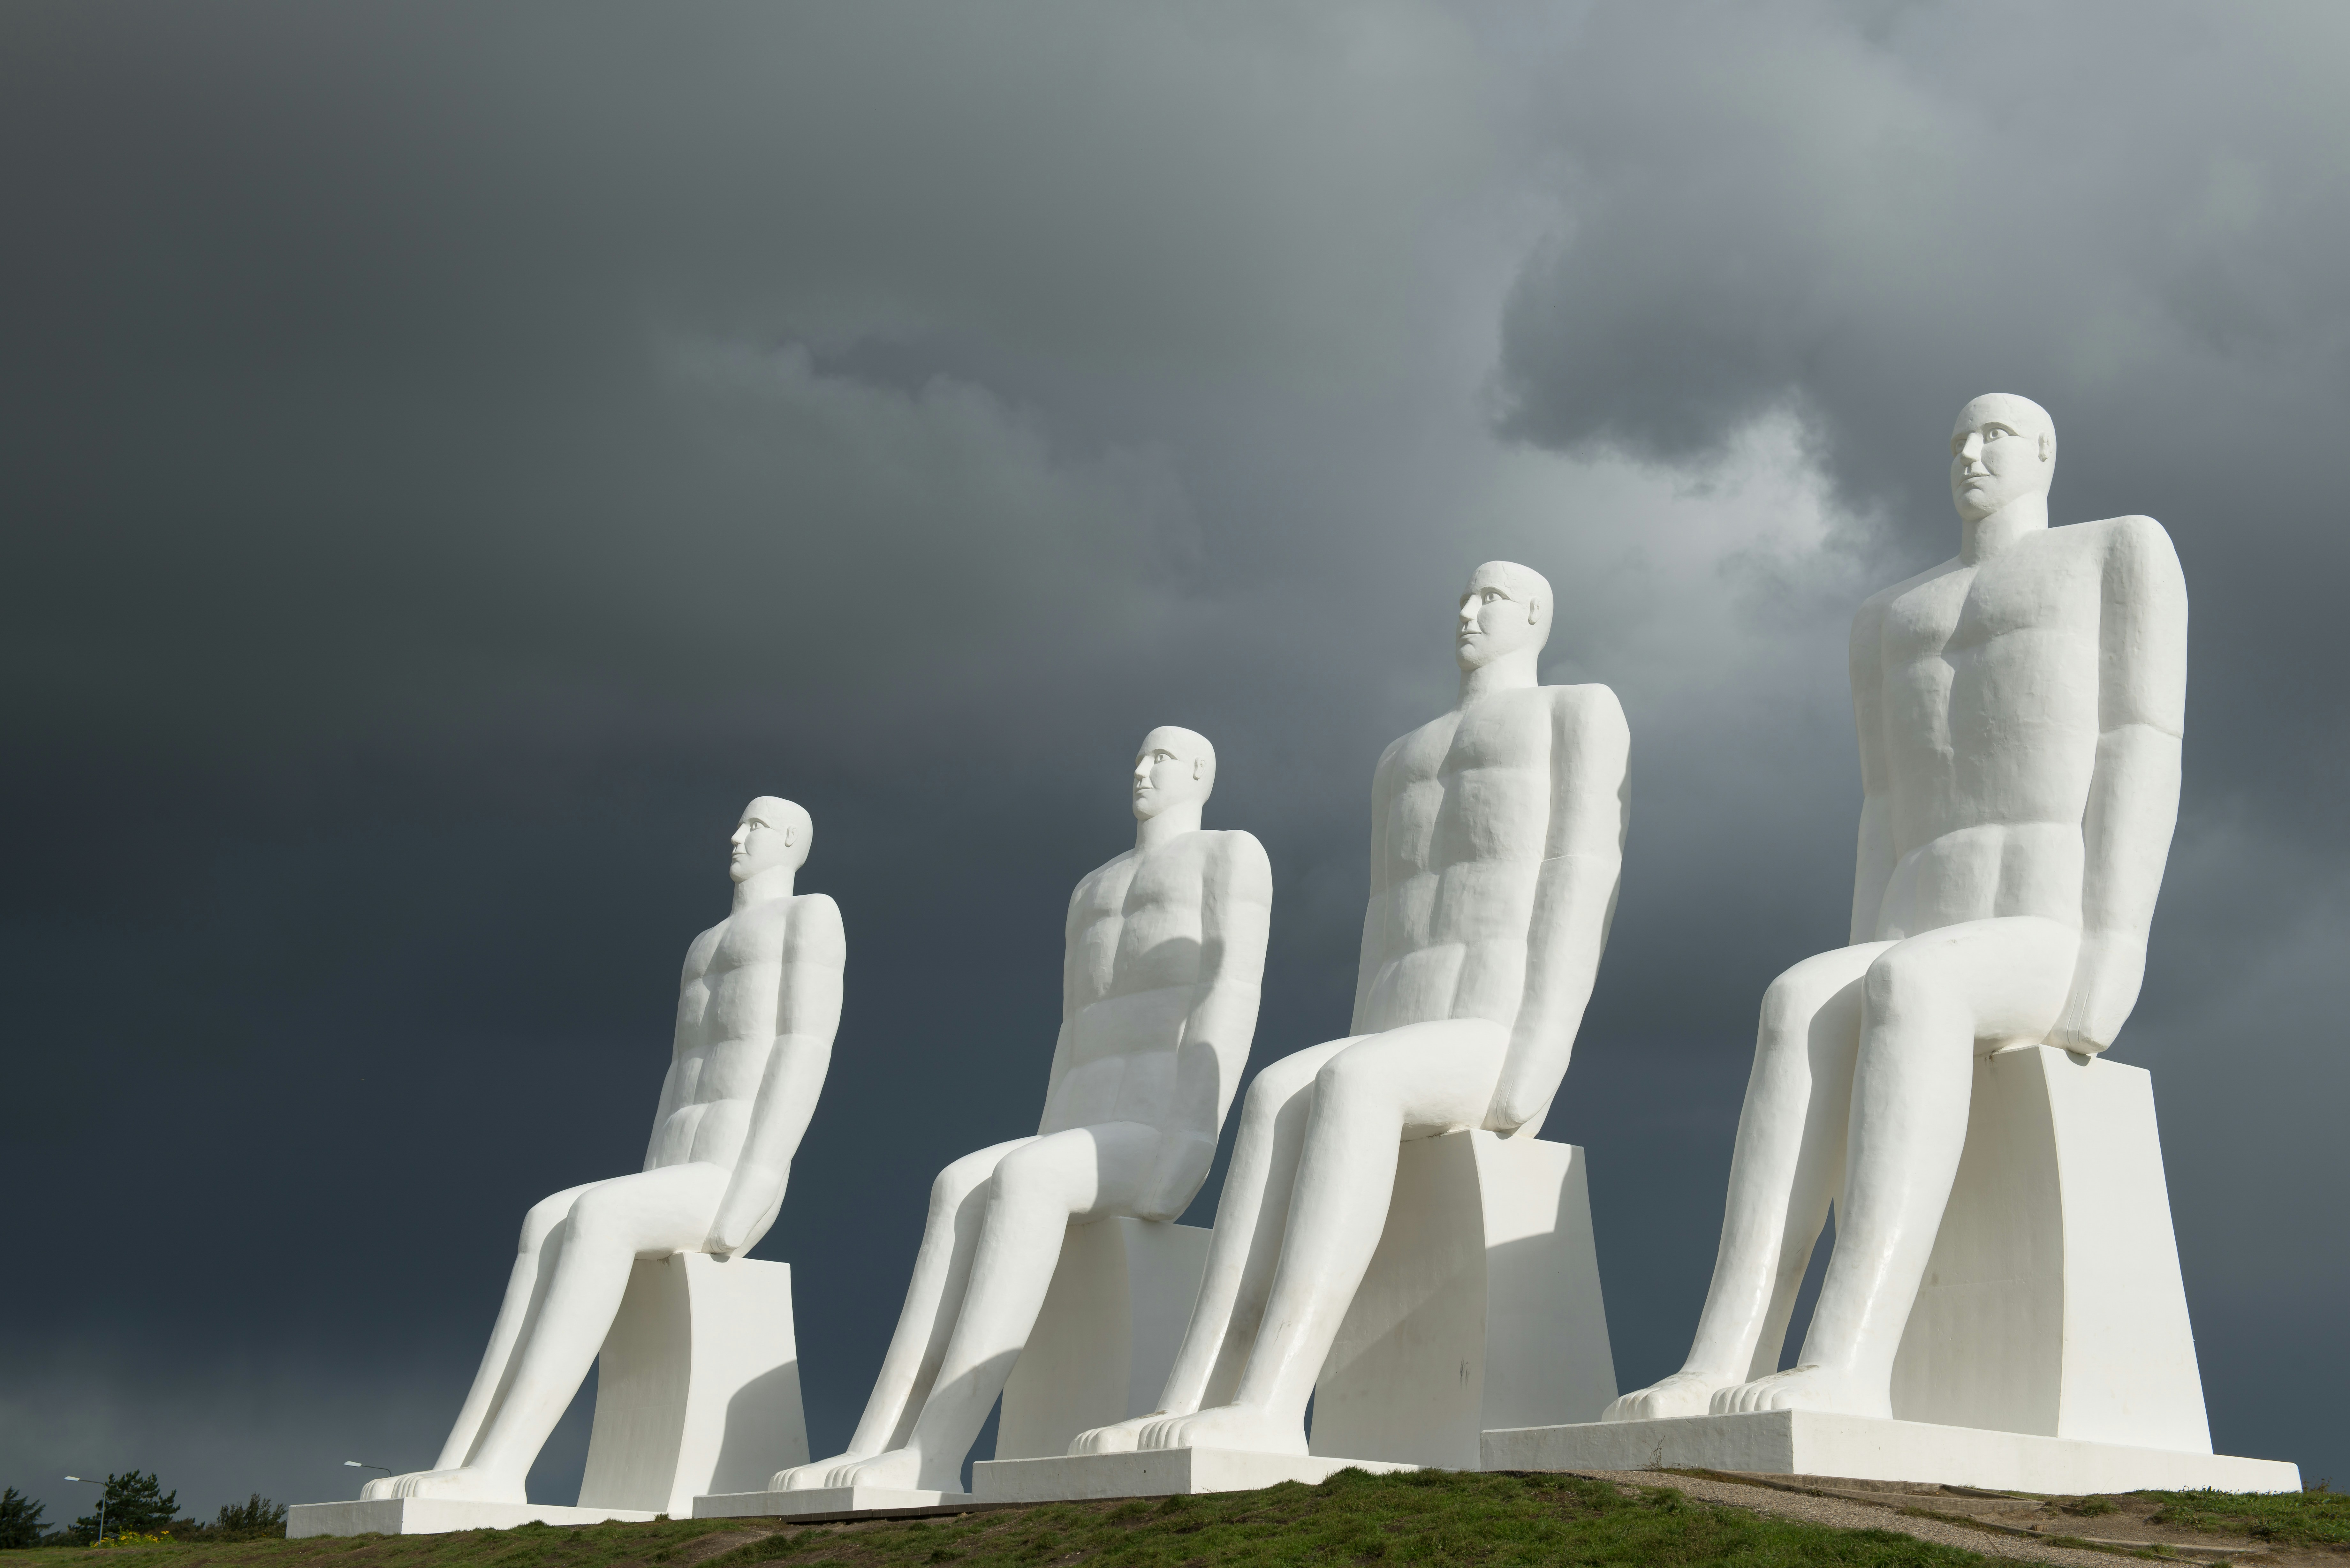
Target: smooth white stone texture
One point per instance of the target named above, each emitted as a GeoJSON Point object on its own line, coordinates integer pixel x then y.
{"type": "Point", "coordinates": [438, 1516]}
{"type": "Point", "coordinates": [1497, 836]}
{"type": "Point", "coordinates": [827, 1500]}
{"type": "Point", "coordinates": [1153, 1472]}
{"type": "Point", "coordinates": [2052, 1303]}
{"type": "Point", "coordinates": [2019, 710]}
{"type": "Point", "coordinates": [698, 1388]}
{"type": "Point", "coordinates": [1482, 1307]}
{"type": "Point", "coordinates": [1862, 1448]}
{"type": "Point", "coordinates": [1106, 1333]}
{"type": "Point", "coordinates": [1163, 961]}
{"type": "Point", "coordinates": [758, 1003]}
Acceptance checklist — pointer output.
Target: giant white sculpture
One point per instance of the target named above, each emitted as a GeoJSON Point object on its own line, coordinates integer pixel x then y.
{"type": "Point", "coordinates": [1497, 840]}
{"type": "Point", "coordinates": [1159, 988]}
{"type": "Point", "coordinates": [756, 1011]}
{"type": "Point", "coordinates": [2020, 708]}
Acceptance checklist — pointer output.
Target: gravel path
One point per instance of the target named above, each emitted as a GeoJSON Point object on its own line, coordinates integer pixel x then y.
{"type": "Point", "coordinates": [1846, 1515]}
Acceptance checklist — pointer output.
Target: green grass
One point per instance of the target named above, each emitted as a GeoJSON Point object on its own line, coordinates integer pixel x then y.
{"type": "Point", "coordinates": [1445, 1517]}
{"type": "Point", "coordinates": [2284, 1518]}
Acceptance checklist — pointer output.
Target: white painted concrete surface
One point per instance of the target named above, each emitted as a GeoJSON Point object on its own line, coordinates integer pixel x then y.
{"type": "Point", "coordinates": [1152, 1472]}
{"type": "Point", "coordinates": [2052, 1303]}
{"type": "Point", "coordinates": [437, 1516]}
{"type": "Point", "coordinates": [698, 1388]}
{"type": "Point", "coordinates": [1482, 1307]}
{"type": "Point", "coordinates": [1863, 1448]}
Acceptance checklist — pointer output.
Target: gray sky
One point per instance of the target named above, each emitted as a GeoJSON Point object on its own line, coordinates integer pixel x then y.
{"type": "Point", "coordinates": [453, 457]}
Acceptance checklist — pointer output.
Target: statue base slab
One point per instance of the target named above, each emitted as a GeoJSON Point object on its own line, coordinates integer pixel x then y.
{"type": "Point", "coordinates": [823, 1500]}
{"type": "Point", "coordinates": [439, 1516]}
{"type": "Point", "coordinates": [1861, 1448]}
{"type": "Point", "coordinates": [1156, 1472]}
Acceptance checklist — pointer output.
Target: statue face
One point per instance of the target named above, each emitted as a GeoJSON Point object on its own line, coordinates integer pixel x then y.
{"type": "Point", "coordinates": [773, 833]}
{"type": "Point", "coordinates": [1502, 612]}
{"type": "Point", "coordinates": [2003, 449]}
{"type": "Point", "coordinates": [1174, 767]}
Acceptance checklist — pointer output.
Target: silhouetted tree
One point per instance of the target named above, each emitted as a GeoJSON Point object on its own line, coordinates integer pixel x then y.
{"type": "Point", "coordinates": [134, 1500]}
{"type": "Point", "coordinates": [20, 1519]}
{"type": "Point", "coordinates": [250, 1519]}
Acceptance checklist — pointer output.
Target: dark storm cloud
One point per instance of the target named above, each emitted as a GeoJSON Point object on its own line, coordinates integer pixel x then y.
{"type": "Point", "coordinates": [454, 459]}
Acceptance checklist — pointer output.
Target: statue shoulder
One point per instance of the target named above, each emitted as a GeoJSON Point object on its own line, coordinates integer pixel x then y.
{"type": "Point", "coordinates": [1591, 704]}
{"type": "Point", "coordinates": [1871, 613]}
{"type": "Point", "coordinates": [1235, 855]}
{"type": "Point", "coordinates": [817, 933]}
{"type": "Point", "coordinates": [2134, 541]}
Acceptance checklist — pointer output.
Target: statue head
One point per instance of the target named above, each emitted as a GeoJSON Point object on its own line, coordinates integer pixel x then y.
{"type": "Point", "coordinates": [1505, 611]}
{"type": "Point", "coordinates": [2003, 450]}
{"type": "Point", "coordinates": [774, 834]}
{"type": "Point", "coordinates": [1175, 767]}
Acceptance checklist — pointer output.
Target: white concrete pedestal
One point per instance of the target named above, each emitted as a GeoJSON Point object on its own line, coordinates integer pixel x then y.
{"type": "Point", "coordinates": [1106, 1335]}
{"type": "Point", "coordinates": [439, 1516]}
{"type": "Point", "coordinates": [1161, 1472]}
{"type": "Point", "coordinates": [1482, 1307]}
{"type": "Point", "coordinates": [1101, 1351]}
{"type": "Point", "coordinates": [697, 1390]}
{"type": "Point", "coordinates": [2049, 1349]}
{"type": "Point", "coordinates": [2052, 1303]}
{"type": "Point", "coordinates": [821, 1500]}
{"type": "Point", "coordinates": [1799, 1442]}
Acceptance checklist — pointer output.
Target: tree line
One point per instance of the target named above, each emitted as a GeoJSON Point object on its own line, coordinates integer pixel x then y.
{"type": "Point", "coordinates": [135, 1505]}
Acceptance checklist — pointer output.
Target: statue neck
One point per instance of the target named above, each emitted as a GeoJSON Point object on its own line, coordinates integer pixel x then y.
{"type": "Point", "coordinates": [764, 886]}
{"type": "Point", "coordinates": [1984, 537]}
{"type": "Point", "coordinates": [1510, 672]}
{"type": "Point", "coordinates": [1174, 823]}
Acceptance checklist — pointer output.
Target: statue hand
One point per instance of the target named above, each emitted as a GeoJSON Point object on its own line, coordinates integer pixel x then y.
{"type": "Point", "coordinates": [751, 1193]}
{"type": "Point", "coordinates": [2105, 980]}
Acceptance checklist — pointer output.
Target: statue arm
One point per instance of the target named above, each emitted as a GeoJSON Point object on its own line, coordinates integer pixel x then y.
{"type": "Point", "coordinates": [1367, 966]}
{"type": "Point", "coordinates": [668, 1106]}
{"type": "Point", "coordinates": [1575, 899]}
{"type": "Point", "coordinates": [808, 1015]}
{"type": "Point", "coordinates": [2133, 802]}
{"type": "Point", "coordinates": [1235, 918]}
{"type": "Point", "coordinates": [1060, 1067]}
{"type": "Point", "coordinates": [1873, 859]}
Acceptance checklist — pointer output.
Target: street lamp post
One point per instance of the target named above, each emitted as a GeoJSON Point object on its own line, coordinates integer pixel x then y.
{"type": "Point", "coordinates": [102, 1487]}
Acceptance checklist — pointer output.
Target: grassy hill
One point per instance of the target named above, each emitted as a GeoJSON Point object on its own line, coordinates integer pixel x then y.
{"type": "Point", "coordinates": [1446, 1517]}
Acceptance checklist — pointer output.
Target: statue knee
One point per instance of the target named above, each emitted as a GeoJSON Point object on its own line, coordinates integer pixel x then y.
{"type": "Point", "coordinates": [596, 1220]}
{"type": "Point", "coordinates": [959, 1181]}
{"type": "Point", "coordinates": [545, 1216]}
{"type": "Point", "coordinates": [1280, 1083]}
{"type": "Point", "coordinates": [1349, 1082]}
{"type": "Point", "coordinates": [1903, 982]}
{"type": "Point", "coordinates": [1033, 1177]}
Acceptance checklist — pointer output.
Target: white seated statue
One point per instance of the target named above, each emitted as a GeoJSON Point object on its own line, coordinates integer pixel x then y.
{"type": "Point", "coordinates": [756, 1015]}
{"type": "Point", "coordinates": [1159, 988]}
{"type": "Point", "coordinates": [1497, 836]}
{"type": "Point", "coordinates": [2020, 708]}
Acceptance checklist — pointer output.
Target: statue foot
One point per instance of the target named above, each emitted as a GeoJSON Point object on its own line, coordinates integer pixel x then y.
{"type": "Point", "coordinates": [468, 1483]}
{"type": "Point", "coordinates": [1682, 1394]}
{"type": "Point", "coordinates": [384, 1486]}
{"type": "Point", "coordinates": [807, 1478]}
{"type": "Point", "coordinates": [1123, 1437]}
{"type": "Point", "coordinates": [1241, 1426]}
{"type": "Point", "coordinates": [901, 1469]}
{"type": "Point", "coordinates": [1829, 1389]}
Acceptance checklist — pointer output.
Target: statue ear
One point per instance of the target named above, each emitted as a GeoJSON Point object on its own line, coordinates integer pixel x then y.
{"type": "Point", "coordinates": [1533, 611]}
{"type": "Point", "coordinates": [1199, 769]}
{"type": "Point", "coordinates": [791, 834]}
{"type": "Point", "coordinates": [2048, 445]}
